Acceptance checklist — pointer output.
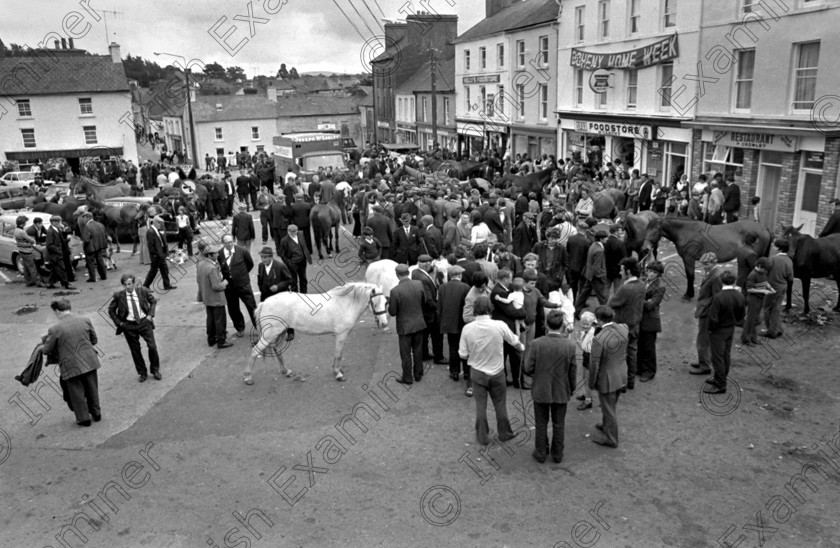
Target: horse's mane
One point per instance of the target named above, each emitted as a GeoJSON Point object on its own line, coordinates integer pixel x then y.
{"type": "Point", "coordinates": [347, 289]}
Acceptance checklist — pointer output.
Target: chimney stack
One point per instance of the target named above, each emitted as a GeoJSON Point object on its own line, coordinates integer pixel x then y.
{"type": "Point", "coordinates": [492, 7]}
{"type": "Point", "coordinates": [57, 44]}
{"type": "Point", "coordinates": [70, 43]}
{"type": "Point", "coordinates": [272, 92]}
{"type": "Point", "coordinates": [63, 43]}
{"type": "Point", "coordinates": [114, 48]}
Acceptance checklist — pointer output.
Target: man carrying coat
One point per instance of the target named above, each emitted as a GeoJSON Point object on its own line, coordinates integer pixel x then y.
{"type": "Point", "coordinates": [607, 373]}
{"type": "Point", "coordinates": [406, 304]}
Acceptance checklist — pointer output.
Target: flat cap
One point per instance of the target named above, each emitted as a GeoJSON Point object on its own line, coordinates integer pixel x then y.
{"type": "Point", "coordinates": [267, 251]}
{"type": "Point", "coordinates": [424, 258]}
{"type": "Point", "coordinates": [455, 270]}
{"type": "Point", "coordinates": [708, 257]}
{"type": "Point", "coordinates": [401, 270]}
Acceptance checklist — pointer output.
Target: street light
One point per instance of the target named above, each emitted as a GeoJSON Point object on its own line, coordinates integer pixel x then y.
{"type": "Point", "coordinates": [189, 107]}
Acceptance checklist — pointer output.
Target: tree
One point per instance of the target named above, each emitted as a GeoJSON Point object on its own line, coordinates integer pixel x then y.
{"type": "Point", "coordinates": [283, 73]}
{"type": "Point", "coordinates": [214, 70]}
{"type": "Point", "coordinates": [235, 73]}
{"type": "Point", "coordinates": [293, 74]}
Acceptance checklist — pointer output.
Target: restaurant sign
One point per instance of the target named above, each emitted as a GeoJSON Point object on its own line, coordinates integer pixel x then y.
{"type": "Point", "coordinates": [761, 141]}
{"type": "Point", "coordinates": [661, 51]}
{"type": "Point", "coordinates": [635, 131]}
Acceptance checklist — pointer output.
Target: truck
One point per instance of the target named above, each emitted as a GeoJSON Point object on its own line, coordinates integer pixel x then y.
{"type": "Point", "coordinates": [304, 153]}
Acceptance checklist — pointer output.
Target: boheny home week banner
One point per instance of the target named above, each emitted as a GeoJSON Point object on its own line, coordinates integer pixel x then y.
{"type": "Point", "coordinates": [665, 49]}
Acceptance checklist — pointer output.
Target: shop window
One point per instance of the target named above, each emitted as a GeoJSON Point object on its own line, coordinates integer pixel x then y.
{"type": "Point", "coordinates": [724, 159]}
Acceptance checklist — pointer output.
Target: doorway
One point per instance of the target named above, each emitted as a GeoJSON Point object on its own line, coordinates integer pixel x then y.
{"type": "Point", "coordinates": [768, 190]}
{"type": "Point", "coordinates": [807, 202]}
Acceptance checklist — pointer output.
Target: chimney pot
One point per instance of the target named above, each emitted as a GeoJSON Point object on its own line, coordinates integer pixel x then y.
{"type": "Point", "coordinates": [63, 43]}
{"type": "Point", "coordinates": [70, 43]}
{"type": "Point", "coordinates": [57, 44]}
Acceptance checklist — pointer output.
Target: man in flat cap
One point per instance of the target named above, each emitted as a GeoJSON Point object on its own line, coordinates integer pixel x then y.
{"type": "Point", "coordinates": [273, 276]}
{"type": "Point", "coordinates": [57, 241]}
{"type": "Point", "coordinates": [710, 286]}
{"type": "Point", "coordinates": [211, 291]}
{"type": "Point", "coordinates": [423, 274]}
{"type": "Point", "coordinates": [779, 276]}
{"type": "Point", "coordinates": [242, 228]}
{"type": "Point", "coordinates": [406, 304]}
{"type": "Point", "coordinates": [406, 241]}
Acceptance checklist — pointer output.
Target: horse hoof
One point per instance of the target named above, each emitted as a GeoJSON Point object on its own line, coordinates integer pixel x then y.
{"type": "Point", "coordinates": [289, 374]}
{"type": "Point", "coordinates": [248, 380]}
{"type": "Point", "coordinates": [340, 378]}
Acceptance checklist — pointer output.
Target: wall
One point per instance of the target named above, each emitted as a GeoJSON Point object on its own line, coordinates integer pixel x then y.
{"type": "Point", "coordinates": [236, 134]}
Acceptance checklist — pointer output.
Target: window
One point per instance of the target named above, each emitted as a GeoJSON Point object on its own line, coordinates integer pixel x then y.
{"type": "Point", "coordinates": [579, 27]}
{"type": "Point", "coordinates": [489, 108]}
{"type": "Point", "coordinates": [543, 102]}
{"type": "Point", "coordinates": [425, 110]}
{"type": "Point", "coordinates": [412, 111]}
{"type": "Point", "coordinates": [86, 106]}
{"type": "Point", "coordinates": [28, 138]}
{"type": "Point", "coordinates": [520, 99]}
{"type": "Point", "coordinates": [749, 5]}
{"type": "Point", "coordinates": [500, 99]}
{"type": "Point", "coordinates": [604, 19]}
{"type": "Point", "coordinates": [805, 75]}
{"type": "Point", "coordinates": [744, 79]}
{"type": "Point", "coordinates": [520, 53]}
{"type": "Point", "coordinates": [666, 82]}
{"type": "Point", "coordinates": [500, 55]}
{"type": "Point", "coordinates": [24, 108]}
{"type": "Point", "coordinates": [219, 135]}
{"type": "Point", "coordinates": [670, 15]}
{"type": "Point", "coordinates": [90, 135]}
{"type": "Point", "coordinates": [601, 100]}
{"type": "Point", "coordinates": [482, 58]}
{"type": "Point", "coordinates": [255, 133]}
{"type": "Point", "coordinates": [634, 16]}
{"type": "Point", "coordinates": [400, 110]}
{"type": "Point", "coordinates": [482, 93]}
{"type": "Point", "coordinates": [632, 87]}
{"type": "Point", "coordinates": [466, 60]}
{"type": "Point", "coordinates": [579, 86]}
{"type": "Point", "coordinates": [544, 51]}
{"type": "Point", "coordinates": [446, 111]}
{"type": "Point", "coordinates": [260, 148]}
{"type": "Point", "coordinates": [724, 159]}
{"type": "Point", "coordinates": [467, 95]}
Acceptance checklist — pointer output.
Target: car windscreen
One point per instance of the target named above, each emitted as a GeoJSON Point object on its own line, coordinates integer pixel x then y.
{"type": "Point", "coordinates": [312, 163]}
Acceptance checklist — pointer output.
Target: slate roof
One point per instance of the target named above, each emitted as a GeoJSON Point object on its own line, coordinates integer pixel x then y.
{"type": "Point", "coordinates": [43, 75]}
{"type": "Point", "coordinates": [315, 105]}
{"type": "Point", "coordinates": [234, 107]}
{"type": "Point", "coordinates": [520, 15]}
{"type": "Point", "coordinates": [421, 81]}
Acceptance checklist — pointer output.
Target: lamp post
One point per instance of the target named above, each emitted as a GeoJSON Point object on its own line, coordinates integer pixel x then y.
{"type": "Point", "coordinates": [193, 144]}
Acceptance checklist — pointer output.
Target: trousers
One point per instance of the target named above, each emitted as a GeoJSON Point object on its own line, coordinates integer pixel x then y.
{"type": "Point", "coordinates": [411, 356]}
{"type": "Point", "coordinates": [704, 352]}
{"type": "Point", "coordinates": [299, 281]}
{"type": "Point", "coordinates": [234, 294]}
{"type": "Point", "coordinates": [721, 350]}
{"type": "Point", "coordinates": [133, 332]}
{"type": "Point", "coordinates": [557, 412]}
{"type": "Point", "coordinates": [495, 385]}
{"type": "Point", "coordinates": [773, 311]}
{"type": "Point", "coordinates": [158, 265]}
{"type": "Point", "coordinates": [609, 420]}
{"type": "Point", "coordinates": [754, 306]}
{"type": "Point", "coordinates": [83, 391]}
{"type": "Point", "coordinates": [646, 354]}
{"type": "Point", "coordinates": [456, 364]}
{"type": "Point", "coordinates": [95, 263]}
{"type": "Point", "coordinates": [216, 325]}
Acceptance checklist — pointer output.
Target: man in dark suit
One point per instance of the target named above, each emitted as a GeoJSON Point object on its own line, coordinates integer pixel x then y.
{"type": "Point", "coordinates": [235, 264]}
{"type": "Point", "coordinates": [406, 304]}
{"type": "Point", "coordinates": [651, 323]}
{"type": "Point", "coordinates": [406, 241]}
{"type": "Point", "coordinates": [382, 230]}
{"type": "Point", "coordinates": [708, 288]}
{"type": "Point", "coordinates": [508, 314]}
{"type": "Point", "coordinates": [300, 218]}
{"type": "Point", "coordinates": [211, 287]}
{"type": "Point", "coordinates": [72, 340]}
{"type": "Point", "coordinates": [607, 373]}
{"type": "Point", "coordinates": [594, 274]}
{"type": "Point", "coordinates": [524, 236]}
{"type": "Point", "coordinates": [731, 200]}
{"type": "Point", "coordinates": [242, 191]}
{"type": "Point", "coordinates": [242, 228]}
{"type": "Point", "coordinates": [230, 192]}
{"type": "Point", "coordinates": [627, 305]}
{"type": "Point", "coordinates": [494, 221]}
{"type": "Point", "coordinates": [726, 311]}
{"type": "Point", "coordinates": [550, 360]}
{"type": "Point", "coordinates": [747, 258]}
{"type": "Point", "coordinates": [832, 226]}
{"type": "Point", "coordinates": [469, 264]}
{"type": "Point", "coordinates": [273, 276]}
{"type": "Point", "coordinates": [451, 297]}
{"type": "Point", "coordinates": [614, 250]}
{"type": "Point", "coordinates": [314, 188]}
{"type": "Point", "coordinates": [253, 187]}
{"type": "Point", "coordinates": [158, 251]}
{"type": "Point", "coordinates": [133, 312]}
{"type": "Point", "coordinates": [553, 259]}
{"type": "Point", "coordinates": [279, 213]}
{"type": "Point", "coordinates": [577, 248]}
{"type": "Point", "coordinates": [56, 241]}
{"type": "Point", "coordinates": [646, 195]}
{"type": "Point", "coordinates": [423, 274]}
{"type": "Point", "coordinates": [95, 243]}
{"type": "Point", "coordinates": [295, 255]}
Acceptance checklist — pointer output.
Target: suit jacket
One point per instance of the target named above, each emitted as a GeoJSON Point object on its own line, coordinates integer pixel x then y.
{"type": "Point", "coordinates": [607, 360]}
{"type": "Point", "coordinates": [710, 286]}
{"type": "Point", "coordinates": [628, 303]}
{"type": "Point", "coordinates": [523, 238]}
{"type": "Point", "coordinates": [614, 251]}
{"type": "Point", "coordinates": [646, 194]}
{"type": "Point", "coordinates": [578, 249]}
{"type": "Point", "coordinates": [242, 226]}
{"type": "Point", "coordinates": [300, 214]}
{"type": "Point", "coordinates": [505, 311]}
{"type": "Point", "coordinates": [746, 263]}
{"type": "Point", "coordinates": [406, 246]}
{"type": "Point", "coordinates": [55, 240]}
{"type": "Point", "coordinates": [242, 183]}
{"type": "Point", "coordinates": [451, 237]}
{"type": "Point", "coordinates": [651, 322]}
{"type": "Point", "coordinates": [470, 268]}
{"type": "Point", "coordinates": [551, 361]}
{"type": "Point", "coordinates": [832, 226]}
{"type": "Point", "coordinates": [118, 308]}
{"type": "Point", "coordinates": [382, 229]}
{"type": "Point", "coordinates": [494, 222]}
{"type": "Point", "coordinates": [406, 304]}
{"type": "Point", "coordinates": [327, 191]}
{"type": "Point", "coordinates": [279, 276]}
{"type": "Point", "coordinates": [727, 310]}
{"type": "Point", "coordinates": [156, 243]}
{"type": "Point", "coordinates": [280, 214]}
{"type": "Point", "coordinates": [286, 249]}
{"type": "Point", "coordinates": [595, 265]}
{"type": "Point", "coordinates": [451, 297]}
{"type": "Point", "coordinates": [240, 265]}
{"type": "Point", "coordinates": [94, 237]}
{"type": "Point", "coordinates": [433, 240]}
{"type": "Point", "coordinates": [73, 339]}
{"type": "Point", "coordinates": [211, 285]}
{"type": "Point", "coordinates": [732, 197]}
{"type": "Point", "coordinates": [430, 289]}
{"type": "Point", "coordinates": [556, 271]}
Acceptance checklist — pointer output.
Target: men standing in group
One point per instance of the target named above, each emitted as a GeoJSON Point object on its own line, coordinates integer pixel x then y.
{"type": "Point", "coordinates": [553, 260]}
{"type": "Point", "coordinates": [273, 276]}
{"type": "Point", "coordinates": [406, 304]}
{"type": "Point", "coordinates": [482, 345]}
{"type": "Point", "coordinates": [406, 241]}
{"type": "Point", "coordinates": [95, 243]}
{"type": "Point", "coordinates": [56, 242]}
{"type": "Point", "coordinates": [132, 309]}
{"type": "Point", "coordinates": [294, 253]}
{"type": "Point", "coordinates": [242, 228]}
{"type": "Point", "coordinates": [451, 298]}
{"type": "Point", "coordinates": [73, 340]}
{"type": "Point", "coordinates": [725, 312]}
{"type": "Point", "coordinates": [423, 274]}
{"type": "Point", "coordinates": [594, 274]}
{"type": "Point", "coordinates": [627, 305]}
{"type": "Point", "coordinates": [780, 275]}
{"type": "Point", "coordinates": [382, 230]}
{"type": "Point", "coordinates": [711, 285]}
{"type": "Point", "coordinates": [158, 251]}
{"type": "Point", "coordinates": [300, 218]}
{"type": "Point", "coordinates": [550, 361]}
{"type": "Point", "coordinates": [279, 213]}
{"type": "Point", "coordinates": [242, 191]}
{"type": "Point", "coordinates": [607, 372]}
{"type": "Point", "coordinates": [235, 264]}
{"type": "Point", "coordinates": [211, 288]}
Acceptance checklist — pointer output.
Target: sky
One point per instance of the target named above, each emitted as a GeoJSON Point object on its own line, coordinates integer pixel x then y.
{"type": "Point", "coordinates": [310, 35]}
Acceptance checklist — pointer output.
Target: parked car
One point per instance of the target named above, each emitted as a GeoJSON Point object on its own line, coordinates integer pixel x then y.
{"type": "Point", "coordinates": [22, 177]}
{"type": "Point", "coordinates": [170, 225]}
{"type": "Point", "coordinates": [12, 198]}
{"type": "Point", "coordinates": [8, 247]}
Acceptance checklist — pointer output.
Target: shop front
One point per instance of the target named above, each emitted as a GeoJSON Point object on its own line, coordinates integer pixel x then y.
{"type": "Point", "coordinates": [406, 134]}
{"type": "Point", "coordinates": [534, 142]}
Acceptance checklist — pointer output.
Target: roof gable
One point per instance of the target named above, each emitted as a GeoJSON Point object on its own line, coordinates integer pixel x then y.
{"type": "Point", "coordinates": [48, 74]}
{"type": "Point", "coordinates": [522, 14]}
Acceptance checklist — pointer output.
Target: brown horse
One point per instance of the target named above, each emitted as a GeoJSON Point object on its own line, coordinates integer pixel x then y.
{"type": "Point", "coordinates": [608, 202]}
{"type": "Point", "coordinates": [635, 228]}
{"type": "Point", "coordinates": [812, 258]}
{"type": "Point", "coordinates": [694, 238]}
{"type": "Point", "coordinates": [323, 218]}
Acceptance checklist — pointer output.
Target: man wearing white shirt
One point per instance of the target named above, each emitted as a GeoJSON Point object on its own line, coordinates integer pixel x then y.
{"type": "Point", "coordinates": [132, 310]}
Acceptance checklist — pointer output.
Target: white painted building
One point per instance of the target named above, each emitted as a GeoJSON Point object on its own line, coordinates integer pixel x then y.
{"type": "Point", "coordinates": [234, 123]}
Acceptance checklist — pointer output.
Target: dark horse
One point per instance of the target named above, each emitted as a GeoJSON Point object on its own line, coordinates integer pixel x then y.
{"type": "Point", "coordinates": [533, 182]}
{"type": "Point", "coordinates": [635, 228]}
{"type": "Point", "coordinates": [119, 220]}
{"type": "Point", "coordinates": [607, 202]}
{"type": "Point", "coordinates": [694, 238]}
{"type": "Point", "coordinates": [324, 217]}
{"type": "Point", "coordinates": [459, 170]}
{"type": "Point", "coordinates": [812, 258]}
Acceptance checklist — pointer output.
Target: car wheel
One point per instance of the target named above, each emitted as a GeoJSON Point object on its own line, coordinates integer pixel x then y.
{"type": "Point", "coordinates": [18, 263]}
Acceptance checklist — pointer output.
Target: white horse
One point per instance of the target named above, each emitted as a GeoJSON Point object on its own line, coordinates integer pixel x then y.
{"type": "Point", "coordinates": [337, 311]}
{"type": "Point", "coordinates": [383, 273]}
{"type": "Point", "coordinates": [567, 307]}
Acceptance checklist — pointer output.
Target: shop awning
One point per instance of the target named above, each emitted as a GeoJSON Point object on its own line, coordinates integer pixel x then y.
{"type": "Point", "coordinates": [30, 155]}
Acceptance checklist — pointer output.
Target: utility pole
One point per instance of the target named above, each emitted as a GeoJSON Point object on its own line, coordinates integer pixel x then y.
{"type": "Point", "coordinates": [433, 55]}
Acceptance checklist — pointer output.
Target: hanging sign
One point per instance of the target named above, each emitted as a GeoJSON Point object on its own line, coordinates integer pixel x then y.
{"type": "Point", "coordinates": [661, 51]}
